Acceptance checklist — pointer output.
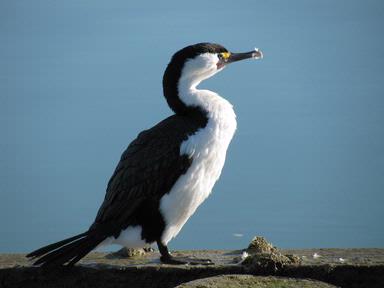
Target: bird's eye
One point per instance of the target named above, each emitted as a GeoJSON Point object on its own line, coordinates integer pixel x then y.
{"type": "Point", "coordinates": [224, 56]}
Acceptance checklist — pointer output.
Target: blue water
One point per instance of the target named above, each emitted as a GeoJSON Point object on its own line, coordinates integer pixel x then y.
{"type": "Point", "coordinates": [80, 79]}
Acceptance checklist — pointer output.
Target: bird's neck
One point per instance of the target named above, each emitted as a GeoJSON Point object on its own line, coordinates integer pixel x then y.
{"type": "Point", "coordinates": [184, 98]}
{"type": "Point", "coordinates": [208, 101]}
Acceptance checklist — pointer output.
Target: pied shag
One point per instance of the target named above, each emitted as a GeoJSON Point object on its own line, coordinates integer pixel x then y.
{"type": "Point", "coordinates": [168, 170]}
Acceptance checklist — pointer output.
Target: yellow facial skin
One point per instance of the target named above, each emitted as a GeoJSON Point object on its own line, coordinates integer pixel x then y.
{"type": "Point", "coordinates": [225, 55]}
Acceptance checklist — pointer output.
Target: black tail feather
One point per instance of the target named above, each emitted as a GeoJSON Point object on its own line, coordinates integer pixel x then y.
{"type": "Point", "coordinates": [80, 255]}
{"type": "Point", "coordinates": [68, 251]}
{"type": "Point", "coordinates": [43, 250]}
{"type": "Point", "coordinates": [60, 255]}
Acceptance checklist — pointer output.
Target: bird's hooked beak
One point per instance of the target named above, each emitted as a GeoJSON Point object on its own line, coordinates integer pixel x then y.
{"type": "Point", "coordinates": [229, 57]}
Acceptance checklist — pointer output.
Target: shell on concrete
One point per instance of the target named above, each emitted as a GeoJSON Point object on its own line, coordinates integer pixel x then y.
{"type": "Point", "coordinates": [264, 256]}
{"type": "Point", "coordinates": [260, 245]}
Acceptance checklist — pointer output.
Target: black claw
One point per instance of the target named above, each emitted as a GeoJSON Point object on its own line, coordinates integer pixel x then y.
{"type": "Point", "coordinates": [167, 258]}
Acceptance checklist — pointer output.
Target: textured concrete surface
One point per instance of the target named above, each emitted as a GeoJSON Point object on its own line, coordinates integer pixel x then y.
{"type": "Point", "coordinates": [340, 267]}
{"type": "Point", "coordinates": [251, 281]}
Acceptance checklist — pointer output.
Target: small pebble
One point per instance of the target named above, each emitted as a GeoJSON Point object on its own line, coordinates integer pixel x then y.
{"type": "Point", "coordinates": [244, 255]}
{"type": "Point", "coordinates": [315, 256]}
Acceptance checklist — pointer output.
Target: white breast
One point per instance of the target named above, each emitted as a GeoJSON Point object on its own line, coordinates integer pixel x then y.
{"type": "Point", "coordinates": [207, 147]}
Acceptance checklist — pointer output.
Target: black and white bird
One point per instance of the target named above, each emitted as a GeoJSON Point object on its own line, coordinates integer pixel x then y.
{"type": "Point", "coordinates": [168, 170]}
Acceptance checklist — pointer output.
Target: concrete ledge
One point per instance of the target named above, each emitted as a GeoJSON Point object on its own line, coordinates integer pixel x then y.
{"type": "Point", "coordinates": [359, 268]}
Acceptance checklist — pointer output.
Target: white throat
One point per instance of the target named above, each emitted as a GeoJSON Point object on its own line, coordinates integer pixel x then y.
{"type": "Point", "coordinates": [194, 72]}
{"type": "Point", "coordinates": [209, 101]}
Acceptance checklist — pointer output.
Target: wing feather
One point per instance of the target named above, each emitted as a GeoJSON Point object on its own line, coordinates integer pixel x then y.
{"type": "Point", "coordinates": [147, 170]}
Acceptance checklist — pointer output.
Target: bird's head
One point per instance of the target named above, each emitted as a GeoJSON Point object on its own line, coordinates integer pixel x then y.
{"type": "Point", "coordinates": [196, 63]}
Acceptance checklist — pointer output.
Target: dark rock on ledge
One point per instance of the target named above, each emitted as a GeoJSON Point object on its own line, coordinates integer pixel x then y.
{"type": "Point", "coordinates": [129, 253]}
{"type": "Point", "coordinates": [263, 256]}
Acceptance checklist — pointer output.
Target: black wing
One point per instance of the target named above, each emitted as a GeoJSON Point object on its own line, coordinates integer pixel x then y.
{"type": "Point", "coordinates": [148, 169]}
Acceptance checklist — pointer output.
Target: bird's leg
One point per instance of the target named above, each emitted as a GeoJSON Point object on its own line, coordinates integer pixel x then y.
{"type": "Point", "coordinates": [167, 258]}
